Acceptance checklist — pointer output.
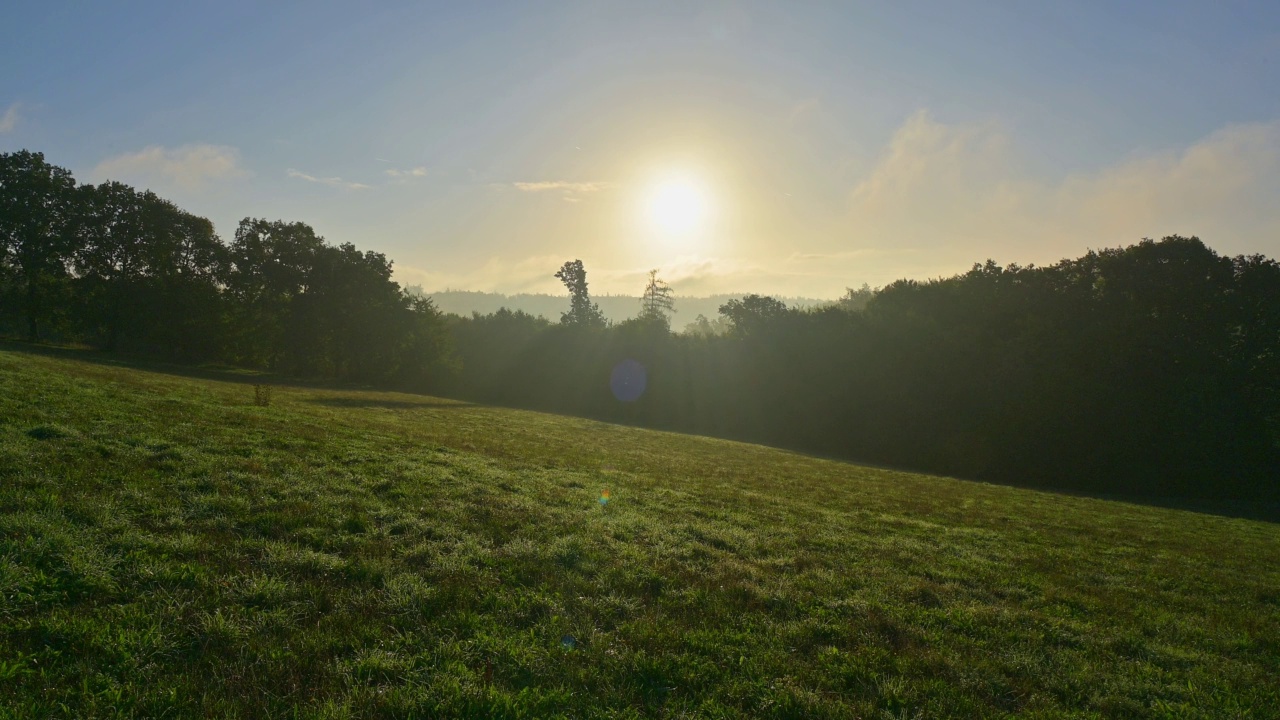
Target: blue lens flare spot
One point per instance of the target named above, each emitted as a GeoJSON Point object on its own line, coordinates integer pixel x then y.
{"type": "Point", "coordinates": [628, 380]}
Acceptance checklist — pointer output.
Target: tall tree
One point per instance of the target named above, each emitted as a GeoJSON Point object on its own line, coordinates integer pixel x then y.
{"type": "Point", "coordinates": [349, 319]}
{"type": "Point", "coordinates": [270, 264]}
{"type": "Point", "coordinates": [119, 231]}
{"type": "Point", "coordinates": [147, 272]}
{"type": "Point", "coordinates": [656, 304]}
{"type": "Point", "coordinates": [37, 202]}
{"type": "Point", "coordinates": [185, 303]}
{"type": "Point", "coordinates": [582, 312]}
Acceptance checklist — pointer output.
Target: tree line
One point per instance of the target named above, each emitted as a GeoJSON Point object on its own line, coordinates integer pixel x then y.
{"type": "Point", "coordinates": [1152, 369]}
{"type": "Point", "coordinates": [126, 270]}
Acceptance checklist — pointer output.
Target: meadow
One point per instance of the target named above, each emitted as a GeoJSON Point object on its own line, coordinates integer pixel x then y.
{"type": "Point", "coordinates": [169, 547]}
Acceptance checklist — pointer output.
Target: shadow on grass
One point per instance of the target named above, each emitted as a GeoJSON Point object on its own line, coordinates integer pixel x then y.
{"type": "Point", "coordinates": [1245, 509]}
{"type": "Point", "coordinates": [359, 402]}
{"type": "Point", "coordinates": [219, 373]}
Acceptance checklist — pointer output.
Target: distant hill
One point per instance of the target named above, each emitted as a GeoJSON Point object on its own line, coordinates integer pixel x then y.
{"type": "Point", "coordinates": [615, 307]}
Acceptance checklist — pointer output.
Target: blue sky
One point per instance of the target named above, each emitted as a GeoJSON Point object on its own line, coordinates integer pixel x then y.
{"type": "Point", "coordinates": [481, 144]}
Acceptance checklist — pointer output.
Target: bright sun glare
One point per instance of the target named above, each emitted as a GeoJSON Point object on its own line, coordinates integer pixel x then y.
{"type": "Point", "coordinates": [678, 205]}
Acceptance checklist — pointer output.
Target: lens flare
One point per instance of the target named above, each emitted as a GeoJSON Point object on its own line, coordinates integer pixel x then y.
{"type": "Point", "coordinates": [604, 497]}
{"type": "Point", "coordinates": [628, 380]}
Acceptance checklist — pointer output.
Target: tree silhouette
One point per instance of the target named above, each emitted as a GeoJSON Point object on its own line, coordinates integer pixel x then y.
{"type": "Point", "coordinates": [753, 313]}
{"type": "Point", "coordinates": [704, 327]}
{"type": "Point", "coordinates": [36, 206]}
{"type": "Point", "coordinates": [139, 256]}
{"type": "Point", "coordinates": [270, 264]}
{"type": "Point", "coordinates": [656, 304]}
{"type": "Point", "coordinates": [854, 300]}
{"type": "Point", "coordinates": [582, 312]}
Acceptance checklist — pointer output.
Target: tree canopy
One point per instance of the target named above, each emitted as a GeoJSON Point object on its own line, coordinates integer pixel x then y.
{"type": "Point", "coordinates": [582, 312]}
{"type": "Point", "coordinates": [656, 303]}
{"type": "Point", "coordinates": [128, 270]}
{"type": "Point", "coordinates": [1148, 370]}
{"type": "Point", "coordinates": [37, 202]}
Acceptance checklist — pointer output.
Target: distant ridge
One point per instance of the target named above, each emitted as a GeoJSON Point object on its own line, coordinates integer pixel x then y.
{"type": "Point", "coordinates": [615, 307]}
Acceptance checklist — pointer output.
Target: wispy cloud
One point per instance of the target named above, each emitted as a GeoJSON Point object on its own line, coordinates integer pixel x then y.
{"type": "Point", "coordinates": [697, 275]}
{"type": "Point", "coordinates": [9, 120]}
{"type": "Point", "coordinates": [963, 191]}
{"type": "Point", "coordinates": [188, 167]}
{"type": "Point", "coordinates": [575, 187]}
{"type": "Point", "coordinates": [531, 274]}
{"type": "Point", "coordinates": [569, 191]}
{"type": "Point", "coordinates": [330, 181]}
{"type": "Point", "coordinates": [860, 253]}
{"type": "Point", "coordinates": [416, 172]}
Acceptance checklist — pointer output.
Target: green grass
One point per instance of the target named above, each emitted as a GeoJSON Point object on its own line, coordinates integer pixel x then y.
{"type": "Point", "coordinates": [169, 549]}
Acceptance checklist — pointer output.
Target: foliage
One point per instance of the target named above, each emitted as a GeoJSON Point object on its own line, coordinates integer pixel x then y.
{"type": "Point", "coordinates": [752, 314]}
{"type": "Point", "coordinates": [703, 327]}
{"type": "Point", "coordinates": [36, 206]}
{"type": "Point", "coordinates": [147, 273]}
{"type": "Point", "coordinates": [657, 304]}
{"type": "Point", "coordinates": [128, 271]}
{"type": "Point", "coordinates": [270, 267]}
{"type": "Point", "coordinates": [168, 549]}
{"type": "Point", "coordinates": [1150, 370]}
{"type": "Point", "coordinates": [855, 300]}
{"type": "Point", "coordinates": [582, 312]}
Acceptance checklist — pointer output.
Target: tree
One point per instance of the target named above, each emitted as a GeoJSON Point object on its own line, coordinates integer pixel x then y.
{"type": "Point", "coordinates": [36, 206]}
{"type": "Point", "coordinates": [855, 300]}
{"type": "Point", "coordinates": [124, 239]}
{"type": "Point", "coordinates": [147, 273]}
{"type": "Point", "coordinates": [702, 327]}
{"type": "Point", "coordinates": [350, 319]}
{"type": "Point", "coordinates": [426, 345]}
{"type": "Point", "coordinates": [270, 263]}
{"type": "Point", "coordinates": [189, 312]}
{"type": "Point", "coordinates": [582, 312]}
{"type": "Point", "coordinates": [753, 313]}
{"type": "Point", "coordinates": [656, 304]}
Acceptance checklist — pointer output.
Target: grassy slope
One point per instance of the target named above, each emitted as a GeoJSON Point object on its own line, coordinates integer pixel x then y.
{"type": "Point", "coordinates": [168, 547]}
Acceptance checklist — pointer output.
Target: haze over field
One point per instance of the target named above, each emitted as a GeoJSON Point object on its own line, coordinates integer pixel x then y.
{"type": "Point", "coordinates": [791, 149]}
{"type": "Point", "coordinates": [615, 308]}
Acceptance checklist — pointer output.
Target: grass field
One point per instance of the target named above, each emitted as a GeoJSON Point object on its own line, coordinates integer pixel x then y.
{"type": "Point", "coordinates": [170, 549]}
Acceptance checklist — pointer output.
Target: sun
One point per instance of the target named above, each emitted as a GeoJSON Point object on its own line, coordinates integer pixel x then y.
{"type": "Point", "coordinates": [678, 205]}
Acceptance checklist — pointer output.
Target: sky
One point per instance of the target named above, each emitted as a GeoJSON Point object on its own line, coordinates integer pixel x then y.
{"type": "Point", "coordinates": [791, 148]}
